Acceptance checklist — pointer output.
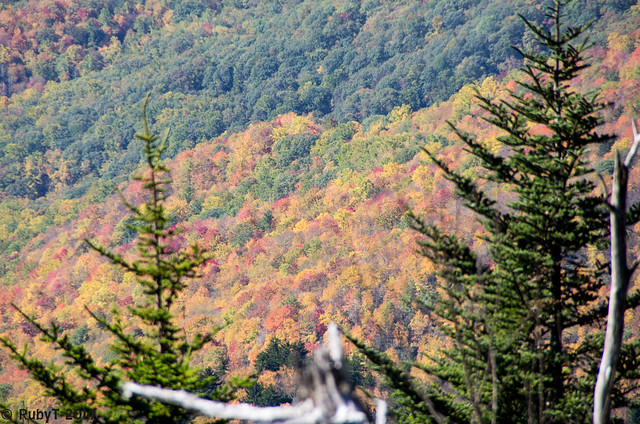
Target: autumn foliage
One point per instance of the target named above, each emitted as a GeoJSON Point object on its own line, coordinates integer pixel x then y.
{"type": "Point", "coordinates": [305, 217]}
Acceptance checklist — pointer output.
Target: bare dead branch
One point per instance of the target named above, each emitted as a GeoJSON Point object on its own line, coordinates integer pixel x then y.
{"type": "Point", "coordinates": [327, 396]}
{"type": "Point", "coordinates": [620, 277]}
{"type": "Point", "coordinates": [634, 147]}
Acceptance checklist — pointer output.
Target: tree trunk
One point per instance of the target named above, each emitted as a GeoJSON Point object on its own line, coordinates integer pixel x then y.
{"type": "Point", "coordinates": [620, 276]}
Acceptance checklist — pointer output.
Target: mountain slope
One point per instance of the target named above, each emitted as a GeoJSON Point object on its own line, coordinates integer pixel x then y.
{"type": "Point", "coordinates": [222, 65]}
{"type": "Point", "coordinates": [304, 216]}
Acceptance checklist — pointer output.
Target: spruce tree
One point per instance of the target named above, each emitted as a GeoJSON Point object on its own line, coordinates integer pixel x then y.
{"type": "Point", "coordinates": [517, 317]}
{"type": "Point", "coordinates": [160, 358]}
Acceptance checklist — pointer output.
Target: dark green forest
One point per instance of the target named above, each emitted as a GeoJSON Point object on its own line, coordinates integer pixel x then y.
{"type": "Point", "coordinates": [217, 66]}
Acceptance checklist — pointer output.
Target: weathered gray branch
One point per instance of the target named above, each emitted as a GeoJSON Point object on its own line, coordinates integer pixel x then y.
{"type": "Point", "coordinates": [326, 395]}
{"type": "Point", "coordinates": [620, 277]}
{"type": "Point", "coordinates": [634, 147]}
{"type": "Point", "coordinates": [209, 408]}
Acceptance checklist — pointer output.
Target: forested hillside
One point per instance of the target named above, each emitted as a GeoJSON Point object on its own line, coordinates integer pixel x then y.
{"type": "Point", "coordinates": [79, 70]}
{"type": "Point", "coordinates": [296, 130]}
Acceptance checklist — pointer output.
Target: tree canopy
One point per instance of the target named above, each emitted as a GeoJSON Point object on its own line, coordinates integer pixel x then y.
{"type": "Point", "coordinates": [524, 317]}
{"type": "Point", "coordinates": [160, 355]}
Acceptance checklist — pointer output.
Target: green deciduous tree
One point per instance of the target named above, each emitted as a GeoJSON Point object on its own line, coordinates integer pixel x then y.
{"type": "Point", "coordinates": [162, 356]}
{"type": "Point", "coordinates": [517, 316]}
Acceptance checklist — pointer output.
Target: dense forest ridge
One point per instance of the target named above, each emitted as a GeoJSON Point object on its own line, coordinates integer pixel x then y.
{"type": "Point", "coordinates": [80, 69]}
{"type": "Point", "coordinates": [305, 217]}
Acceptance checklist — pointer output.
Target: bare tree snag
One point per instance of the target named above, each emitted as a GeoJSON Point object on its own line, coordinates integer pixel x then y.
{"type": "Point", "coordinates": [620, 276]}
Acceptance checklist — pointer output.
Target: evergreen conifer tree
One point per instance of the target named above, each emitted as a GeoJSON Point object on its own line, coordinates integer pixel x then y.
{"type": "Point", "coordinates": [517, 317]}
{"type": "Point", "coordinates": [162, 356]}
